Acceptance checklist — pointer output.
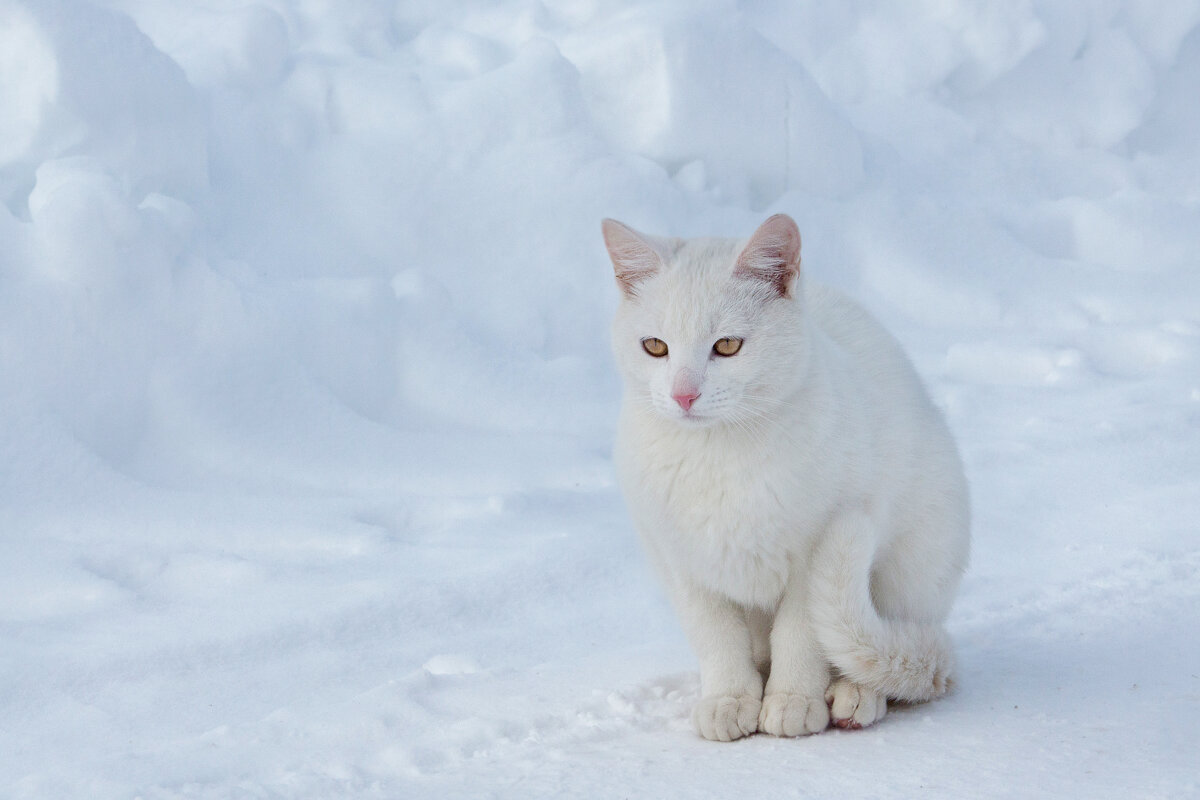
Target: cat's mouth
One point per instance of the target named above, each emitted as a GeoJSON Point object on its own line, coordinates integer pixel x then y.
{"type": "Point", "coordinates": [692, 418]}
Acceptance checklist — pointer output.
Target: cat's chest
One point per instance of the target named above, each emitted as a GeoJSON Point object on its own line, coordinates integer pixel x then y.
{"type": "Point", "coordinates": [729, 518]}
{"type": "Point", "coordinates": [723, 496]}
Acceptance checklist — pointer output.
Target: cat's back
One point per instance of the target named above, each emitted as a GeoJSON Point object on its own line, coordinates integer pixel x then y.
{"type": "Point", "coordinates": [861, 338]}
{"type": "Point", "coordinates": [843, 319]}
{"type": "Point", "coordinates": [876, 383]}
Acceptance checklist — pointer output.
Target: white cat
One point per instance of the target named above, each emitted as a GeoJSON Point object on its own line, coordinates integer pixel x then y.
{"type": "Point", "coordinates": [799, 495]}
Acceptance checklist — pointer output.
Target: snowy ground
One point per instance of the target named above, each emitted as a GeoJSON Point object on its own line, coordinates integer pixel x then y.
{"type": "Point", "coordinates": [306, 403]}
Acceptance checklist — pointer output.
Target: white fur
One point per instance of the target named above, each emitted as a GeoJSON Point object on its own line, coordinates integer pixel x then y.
{"type": "Point", "coordinates": [808, 516]}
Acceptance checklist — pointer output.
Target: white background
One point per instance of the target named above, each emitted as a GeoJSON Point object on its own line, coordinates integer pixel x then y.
{"type": "Point", "coordinates": [306, 401]}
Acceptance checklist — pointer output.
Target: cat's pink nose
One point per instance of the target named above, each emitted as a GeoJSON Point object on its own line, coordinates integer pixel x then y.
{"type": "Point", "coordinates": [685, 400]}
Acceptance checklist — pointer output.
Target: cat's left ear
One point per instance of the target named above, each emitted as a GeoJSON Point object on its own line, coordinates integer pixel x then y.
{"type": "Point", "coordinates": [634, 255]}
{"type": "Point", "coordinates": [772, 254]}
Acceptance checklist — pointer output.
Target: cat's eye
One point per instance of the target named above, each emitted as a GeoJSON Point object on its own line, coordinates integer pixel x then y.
{"type": "Point", "coordinates": [727, 346]}
{"type": "Point", "coordinates": [655, 347]}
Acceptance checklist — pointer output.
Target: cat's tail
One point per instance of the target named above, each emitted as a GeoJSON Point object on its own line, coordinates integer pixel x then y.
{"type": "Point", "coordinates": [902, 659]}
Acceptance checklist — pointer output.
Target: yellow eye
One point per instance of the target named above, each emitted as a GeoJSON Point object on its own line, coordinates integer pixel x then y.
{"type": "Point", "coordinates": [655, 347]}
{"type": "Point", "coordinates": [727, 346]}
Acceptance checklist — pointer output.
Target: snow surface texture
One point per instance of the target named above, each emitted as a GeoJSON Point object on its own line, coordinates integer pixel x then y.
{"type": "Point", "coordinates": [306, 401]}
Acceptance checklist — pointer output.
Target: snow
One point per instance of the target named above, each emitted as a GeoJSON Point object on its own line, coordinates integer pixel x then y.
{"type": "Point", "coordinates": [306, 402]}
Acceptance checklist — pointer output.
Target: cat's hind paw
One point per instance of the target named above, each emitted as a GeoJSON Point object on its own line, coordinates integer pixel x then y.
{"type": "Point", "coordinates": [793, 715]}
{"type": "Point", "coordinates": [723, 718]}
{"type": "Point", "coordinates": [853, 706]}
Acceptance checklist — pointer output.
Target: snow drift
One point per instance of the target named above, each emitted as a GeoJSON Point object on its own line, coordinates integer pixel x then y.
{"type": "Point", "coordinates": [306, 404]}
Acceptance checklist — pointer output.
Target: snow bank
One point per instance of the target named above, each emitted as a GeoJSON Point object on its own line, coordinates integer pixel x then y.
{"type": "Point", "coordinates": [672, 86]}
{"type": "Point", "coordinates": [307, 402]}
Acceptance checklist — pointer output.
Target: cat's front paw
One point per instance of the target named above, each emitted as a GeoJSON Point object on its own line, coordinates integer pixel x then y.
{"type": "Point", "coordinates": [723, 718]}
{"type": "Point", "coordinates": [853, 706]}
{"type": "Point", "coordinates": [793, 715]}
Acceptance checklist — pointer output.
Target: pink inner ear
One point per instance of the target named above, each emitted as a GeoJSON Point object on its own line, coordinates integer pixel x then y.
{"type": "Point", "coordinates": [772, 254]}
{"type": "Point", "coordinates": [634, 258]}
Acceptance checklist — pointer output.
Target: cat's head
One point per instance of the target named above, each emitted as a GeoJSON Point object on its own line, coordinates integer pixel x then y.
{"type": "Point", "coordinates": [709, 331]}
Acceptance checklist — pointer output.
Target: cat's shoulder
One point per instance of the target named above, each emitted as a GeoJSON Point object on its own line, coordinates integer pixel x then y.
{"type": "Point", "coordinates": [860, 338]}
{"type": "Point", "coordinates": [840, 317]}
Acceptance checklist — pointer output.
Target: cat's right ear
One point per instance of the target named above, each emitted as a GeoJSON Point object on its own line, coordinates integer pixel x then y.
{"type": "Point", "coordinates": [772, 254]}
{"type": "Point", "coordinates": [633, 255]}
